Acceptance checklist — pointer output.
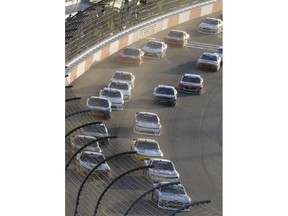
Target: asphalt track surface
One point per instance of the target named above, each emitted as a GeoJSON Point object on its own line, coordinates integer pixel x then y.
{"type": "Point", "coordinates": [191, 134]}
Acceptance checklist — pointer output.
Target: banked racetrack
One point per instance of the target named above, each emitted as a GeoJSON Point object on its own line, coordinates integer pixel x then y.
{"type": "Point", "coordinates": [191, 134]}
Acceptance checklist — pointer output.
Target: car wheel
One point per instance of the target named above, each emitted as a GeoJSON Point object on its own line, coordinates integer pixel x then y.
{"type": "Point", "coordinates": [173, 103]}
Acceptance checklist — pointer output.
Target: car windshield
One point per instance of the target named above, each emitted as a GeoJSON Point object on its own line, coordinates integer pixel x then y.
{"type": "Point", "coordinates": [211, 21]}
{"type": "Point", "coordinates": [147, 118]}
{"type": "Point", "coordinates": [166, 91]}
{"type": "Point", "coordinates": [154, 45]}
{"type": "Point", "coordinates": [209, 57]}
{"type": "Point", "coordinates": [122, 76]}
{"type": "Point", "coordinates": [131, 52]}
{"type": "Point", "coordinates": [173, 189]}
{"type": "Point", "coordinates": [92, 158]}
{"type": "Point", "coordinates": [95, 128]}
{"type": "Point", "coordinates": [113, 94]}
{"type": "Point", "coordinates": [176, 34]}
{"type": "Point", "coordinates": [98, 102]}
{"type": "Point", "coordinates": [147, 145]}
{"type": "Point", "coordinates": [121, 86]}
{"type": "Point", "coordinates": [191, 79]}
{"type": "Point", "coordinates": [163, 165]}
{"type": "Point", "coordinates": [220, 50]}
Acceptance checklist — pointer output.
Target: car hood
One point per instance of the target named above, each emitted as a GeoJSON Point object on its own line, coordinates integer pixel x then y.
{"type": "Point", "coordinates": [210, 26]}
{"type": "Point", "coordinates": [148, 124]}
{"type": "Point", "coordinates": [151, 50]}
{"type": "Point", "coordinates": [155, 153]}
{"type": "Point", "coordinates": [171, 197]}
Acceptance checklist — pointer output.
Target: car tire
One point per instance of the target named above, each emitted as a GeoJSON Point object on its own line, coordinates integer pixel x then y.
{"type": "Point", "coordinates": [173, 103]}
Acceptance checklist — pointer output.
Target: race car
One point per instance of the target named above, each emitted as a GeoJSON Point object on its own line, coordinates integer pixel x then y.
{"type": "Point", "coordinates": [191, 83]}
{"type": "Point", "coordinates": [124, 76]}
{"type": "Point", "coordinates": [146, 149]}
{"type": "Point", "coordinates": [155, 49]}
{"type": "Point", "coordinates": [99, 106]}
{"type": "Point", "coordinates": [163, 170]}
{"type": "Point", "coordinates": [131, 56]}
{"type": "Point", "coordinates": [210, 61]}
{"type": "Point", "coordinates": [87, 160]}
{"type": "Point", "coordinates": [165, 94]}
{"type": "Point", "coordinates": [115, 96]}
{"type": "Point", "coordinates": [177, 38]}
{"type": "Point", "coordinates": [171, 197]}
{"type": "Point", "coordinates": [211, 26]}
{"type": "Point", "coordinates": [147, 123]}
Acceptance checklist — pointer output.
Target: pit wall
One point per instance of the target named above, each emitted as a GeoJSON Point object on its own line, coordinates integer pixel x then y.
{"type": "Point", "coordinates": [124, 39]}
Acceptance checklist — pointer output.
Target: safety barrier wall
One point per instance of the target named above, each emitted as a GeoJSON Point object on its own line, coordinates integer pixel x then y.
{"type": "Point", "coordinates": [128, 37]}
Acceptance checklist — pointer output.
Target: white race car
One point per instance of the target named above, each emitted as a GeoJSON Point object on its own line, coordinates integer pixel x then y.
{"type": "Point", "coordinates": [124, 76]}
{"type": "Point", "coordinates": [163, 170]}
{"type": "Point", "coordinates": [99, 105]}
{"type": "Point", "coordinates": [171, 197]}
{"type": "Point", "coordinates": [97, 131]}
{"type": "Point", "coordinates": [79, 141]}
{"type": "Point", "coordinates": [124, 87]}
{"type": "Point", "coordinates": [147, 123]}
{"type": "Point", "coordinates": [155, 49]}
{"type": "Point", "coordinates": [115, 96]}
{"type": "Point", "coordinates": [87, 160]}
{"type": "Point", "coordinates": [211, 26]}
{"type": "Point", "coordinates": [210, 61]}
{"type": "Point", "coordinates": [146, 149]}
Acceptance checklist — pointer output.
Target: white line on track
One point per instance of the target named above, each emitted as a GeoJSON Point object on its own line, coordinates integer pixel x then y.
{"type": "Point", "coordinates": [205, 46]}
